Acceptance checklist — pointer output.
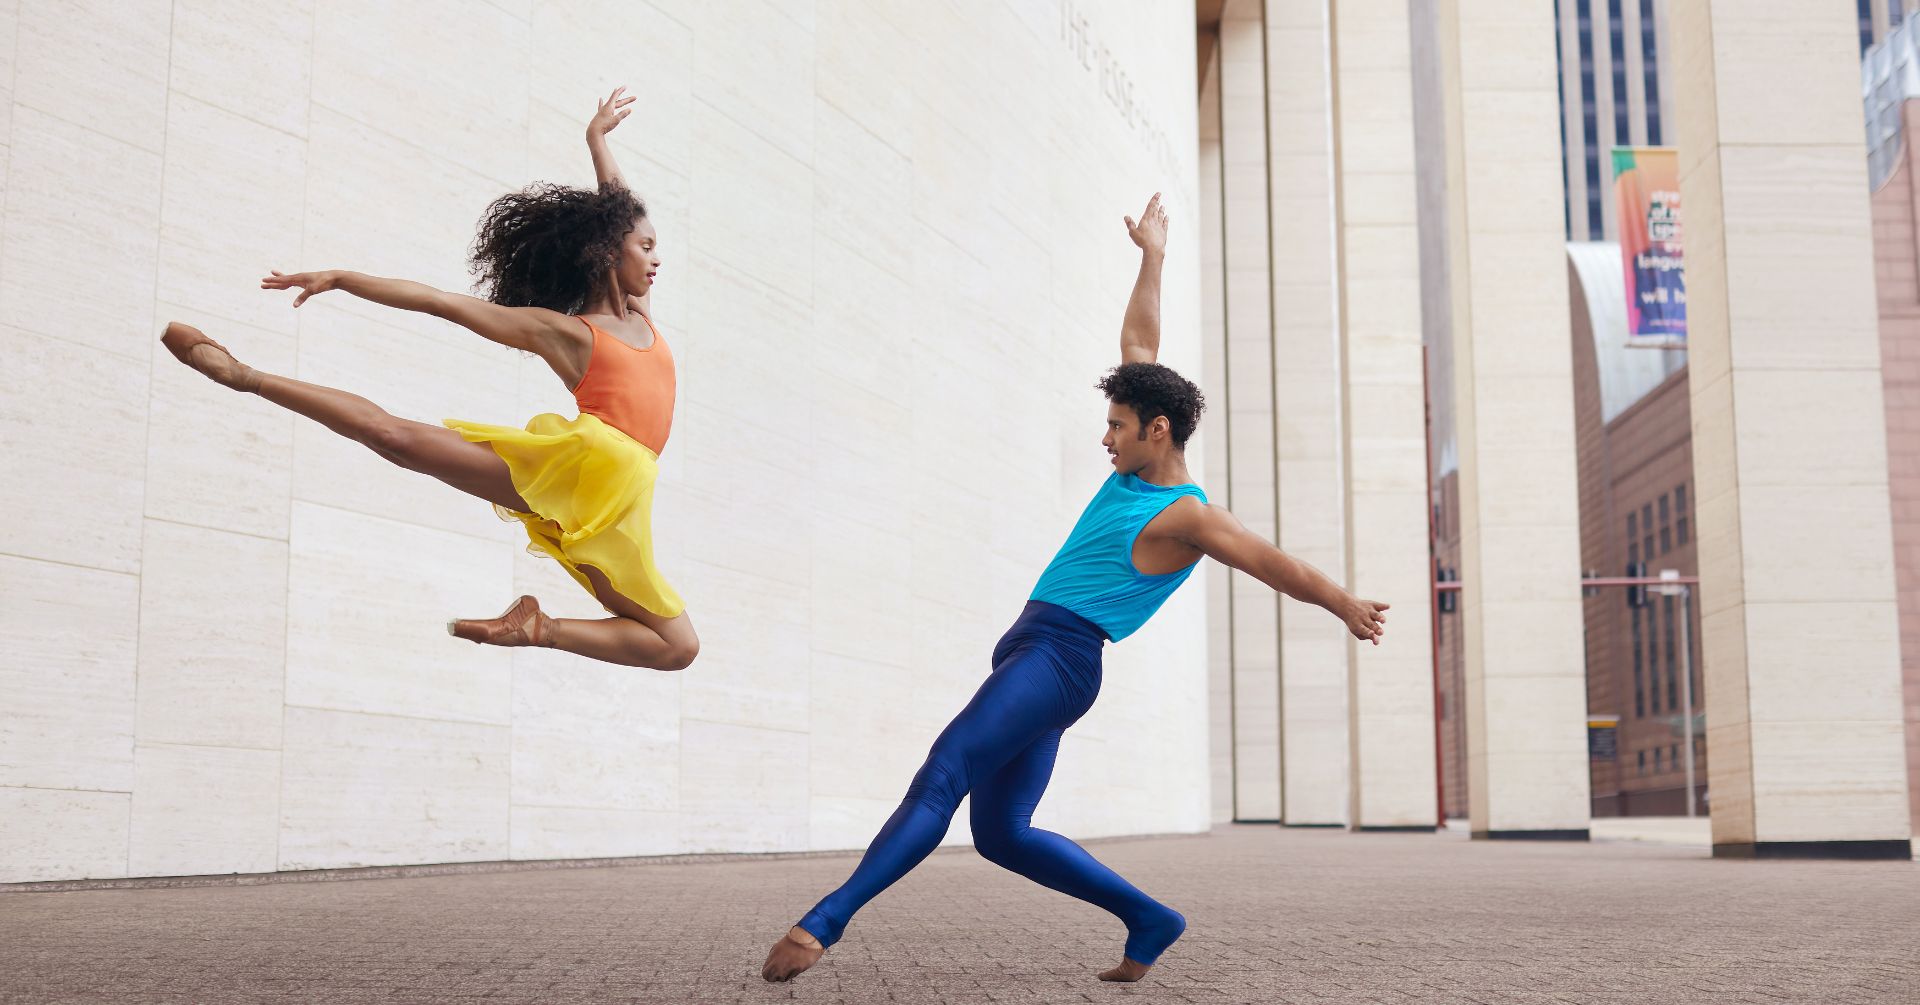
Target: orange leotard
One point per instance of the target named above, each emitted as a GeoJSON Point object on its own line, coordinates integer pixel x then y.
{"type": "Point", "coordinates": [629, 389]}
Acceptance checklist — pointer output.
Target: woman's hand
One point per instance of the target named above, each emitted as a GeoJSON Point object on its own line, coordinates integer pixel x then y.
{"type": "Point", "coordinates": [609, 113]}
{"type": "Point", "coordinates": [308, 283]}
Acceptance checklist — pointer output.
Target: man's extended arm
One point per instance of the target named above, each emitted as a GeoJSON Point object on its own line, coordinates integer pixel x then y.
{"type": "Point", "coordinates": [1226, 540]}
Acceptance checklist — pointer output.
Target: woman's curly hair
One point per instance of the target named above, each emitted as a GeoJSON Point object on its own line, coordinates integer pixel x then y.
{"type": "Point", "coordinates": [1152, 390]}
{"type": "Point", "coordinates": [552, 245]}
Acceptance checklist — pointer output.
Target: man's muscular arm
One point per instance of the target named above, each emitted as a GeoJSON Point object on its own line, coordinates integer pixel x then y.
{"type": "Point", "coordinates": [1222, 537]}
{"type": "Point", "coordinates": [1140, 331]}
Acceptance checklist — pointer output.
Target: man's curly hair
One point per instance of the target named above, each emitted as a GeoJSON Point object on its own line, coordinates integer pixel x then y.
{"type": "Point", "coordinates": [1152, 390]}
{"type": "Point", "coordinates": [552, 245]}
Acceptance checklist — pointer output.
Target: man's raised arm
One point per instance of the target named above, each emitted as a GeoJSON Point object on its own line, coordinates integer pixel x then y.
{"type": "Point", "coordinates": [1140, 331]}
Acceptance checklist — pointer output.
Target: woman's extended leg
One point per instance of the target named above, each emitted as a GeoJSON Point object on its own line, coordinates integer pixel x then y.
{"type": "Point", "coordinates": [472, 468]}
{"type": "Point", "coordinates": [634, 637]}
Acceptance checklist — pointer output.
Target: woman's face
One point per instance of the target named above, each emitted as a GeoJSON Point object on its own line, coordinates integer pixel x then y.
{"type": "Point", "coordinates": [639, 259]}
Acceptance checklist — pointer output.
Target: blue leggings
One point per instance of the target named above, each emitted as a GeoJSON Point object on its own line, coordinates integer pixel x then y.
{"type": "Point", "coordinates": [1001, 747]}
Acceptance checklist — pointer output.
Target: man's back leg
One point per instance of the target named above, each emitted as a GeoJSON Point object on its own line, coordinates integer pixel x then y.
{"type": "Point", "coordinates": [1003, 831]}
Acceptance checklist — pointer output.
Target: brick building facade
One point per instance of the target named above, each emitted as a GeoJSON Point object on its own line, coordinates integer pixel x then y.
{"type": "Point", "coordinates": [1897, 271]}
{"type": "Point", "coordinates": [1636, 518]}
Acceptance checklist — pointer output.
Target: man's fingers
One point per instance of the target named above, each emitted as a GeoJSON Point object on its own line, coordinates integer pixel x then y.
{"type": "Point", "coordinates": [1130, 223]}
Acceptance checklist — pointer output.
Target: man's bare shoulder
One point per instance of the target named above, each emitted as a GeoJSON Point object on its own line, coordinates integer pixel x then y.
{"type": "Point", "coordinates": [1183, 518]}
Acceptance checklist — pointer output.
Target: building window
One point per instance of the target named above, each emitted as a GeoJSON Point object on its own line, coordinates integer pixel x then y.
{"type": "Point", "coordinates": [1646, 524]}
{"type": "Point", "coordinates": [1643, 762]}
{"type": "Point", "coordinates": [1589, 122]}
{"type": "Point", "coordinates": [1617, 35]}
{"type": "Point", "coordinates": [1666, 540]}
{"type": "Point", "coordinates": [1634, 598]}
{"type": "Point", "coordinates": [1653, 657]}
{"type": "Point", "coordinates": [1650, 69]}
{"type": "Point", "coordinates": [1673, 673]}
{"type": "Point", "coordinates": [1673, 756]}
{"type": "Point", "coordinates": [1680, 514]}
{"type": "Point", "coordinates": [1657, 767]}
{"type": "Point", "coordinates": [1663, 511]}
{"type": "Point", "coordinates": [1866, 25]}
{"type": "Point", "coordinates": [1639, 669]}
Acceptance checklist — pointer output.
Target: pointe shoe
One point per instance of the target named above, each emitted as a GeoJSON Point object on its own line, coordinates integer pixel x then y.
{"type": "Point", "coordinates": [791, 957]}
{"type": "Point", "coordinates": [522, 624]}
{"type": "Point", "coordinates": [182, 339]}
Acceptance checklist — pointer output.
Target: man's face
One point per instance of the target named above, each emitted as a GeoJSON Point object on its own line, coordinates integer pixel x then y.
{"type": "Point", "coordinates": [1128, 449]}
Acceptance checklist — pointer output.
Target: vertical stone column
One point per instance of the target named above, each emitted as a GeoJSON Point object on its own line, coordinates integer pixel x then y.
{"type": "Point", "coordinates": [1248, 400]}
{"type": "Point", "coordinates": [1797, 587]}
{"type": "Point", "coordinates": [1213, 437]}
{"type": "Point", "coordinates": [1519, 497]}
{"type": "Point", "coordinates": [1390, 687]}
{"type": "Point", "coordinates": [1306, 395]}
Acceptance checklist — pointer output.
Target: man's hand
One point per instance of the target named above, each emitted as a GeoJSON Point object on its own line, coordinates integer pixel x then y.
{"type": "Point", "coordinates": [609, 113]}
{"type": "Point", "coordinates": [1150, 234]}
{"type": "Point", "coordinates": [1363, 617]}
{"type": "Point", "coordinates": [308, 283]}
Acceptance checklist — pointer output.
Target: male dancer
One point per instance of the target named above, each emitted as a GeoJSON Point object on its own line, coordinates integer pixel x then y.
{"type": "Point", "coordinates": [1135, 543]}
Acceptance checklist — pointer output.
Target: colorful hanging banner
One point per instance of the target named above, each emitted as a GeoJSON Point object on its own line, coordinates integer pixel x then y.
{"type": "Point", "coordinates": [1646, 188]}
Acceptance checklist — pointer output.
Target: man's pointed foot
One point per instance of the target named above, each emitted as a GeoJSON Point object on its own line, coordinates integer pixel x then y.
{"type": "Point", "coordinates": [1127, 972]}
{"type": "Point", "coordinates": [795, 953]}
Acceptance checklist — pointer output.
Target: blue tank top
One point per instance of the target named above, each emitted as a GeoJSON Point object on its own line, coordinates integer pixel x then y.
{"type": "Point", "coordinates": [1094, 576]}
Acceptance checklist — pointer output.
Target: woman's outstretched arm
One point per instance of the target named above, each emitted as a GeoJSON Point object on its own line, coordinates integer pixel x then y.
{"type": "Point", "coordinates": [533, 329]}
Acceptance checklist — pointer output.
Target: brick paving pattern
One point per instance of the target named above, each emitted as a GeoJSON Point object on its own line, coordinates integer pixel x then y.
{"type": "Point", "coordinates": [1274, 916]}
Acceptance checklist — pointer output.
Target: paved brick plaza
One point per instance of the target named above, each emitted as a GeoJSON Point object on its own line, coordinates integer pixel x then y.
{"type": "Point", "coordinates": [1275, 916]}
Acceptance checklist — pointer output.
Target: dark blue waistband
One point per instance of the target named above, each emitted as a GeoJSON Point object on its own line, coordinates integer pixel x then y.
{"type": "Point", "coordinates": [1054, 620]}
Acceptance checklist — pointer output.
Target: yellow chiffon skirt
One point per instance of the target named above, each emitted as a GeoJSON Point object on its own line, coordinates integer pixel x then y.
{"type": "Point", "coordinates": [591, 489]}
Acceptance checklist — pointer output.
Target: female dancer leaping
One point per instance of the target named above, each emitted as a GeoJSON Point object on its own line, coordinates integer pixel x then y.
{"type": "Point", "coordinates": [566, 272]}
